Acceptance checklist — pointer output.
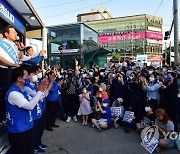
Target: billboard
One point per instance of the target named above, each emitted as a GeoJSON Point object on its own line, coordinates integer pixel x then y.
{"type": "Point", "coordinates": [105, 39]}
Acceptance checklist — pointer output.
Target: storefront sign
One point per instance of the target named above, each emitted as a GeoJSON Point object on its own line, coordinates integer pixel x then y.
{"type": "Point", "coordinates": [108, 38]}
{"type": "Point", "coordinates": [9, 15]}
{"type": "Point", "coordinates": [154, 35]}
{"type": "Point", "coordinates": [154, 58]}
{"type": "Point", "coordinates": [150, 28]}
{"type": "Point", "coordinates": [66, 51]}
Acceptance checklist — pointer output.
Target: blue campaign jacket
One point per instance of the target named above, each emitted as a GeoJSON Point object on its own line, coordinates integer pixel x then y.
{"type": "Point", "coordinates": [34, 61]}
{"type": "Point", "coordinates": [53, 93]}
{"type": "Point", "coordinates": [44, 100]}
{"type": "Point", "coordinates": [18, 119]}
{"type": "Point", "coordinates": [37, 111]}
{"type": "Point", "coordinates": [107, 115]}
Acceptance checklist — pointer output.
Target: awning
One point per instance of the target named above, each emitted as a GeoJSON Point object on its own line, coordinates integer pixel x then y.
{"type": "Point", "coordinates": [28, 13]}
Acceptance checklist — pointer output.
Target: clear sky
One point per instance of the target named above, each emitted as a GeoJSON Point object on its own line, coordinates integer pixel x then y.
{"type": "Point", "coordinates": [54, 12]}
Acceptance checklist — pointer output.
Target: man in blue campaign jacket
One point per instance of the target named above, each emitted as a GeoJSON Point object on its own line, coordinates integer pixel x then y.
{"type": "Point", "coordinates": [18, 112]}
{"type": "Point", "coordinates": [52, 104]}
{"type": "Point", "coordinates": [31, 89]}
{"type": "Point", "coordinates": [29, 59]}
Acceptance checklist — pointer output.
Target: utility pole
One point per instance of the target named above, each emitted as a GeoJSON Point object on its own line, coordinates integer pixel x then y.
{"type": "Point", "coordinates": [176, 50]}
{"type": "Point", "coordinates": [170, 54]}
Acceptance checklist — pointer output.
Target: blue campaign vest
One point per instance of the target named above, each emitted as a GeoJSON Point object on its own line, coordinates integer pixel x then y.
{"type": "Point", "coordinates": [9, 50]}
{"type": "Point", "coordinates": [44, 100]}
{"type": "Point", "coordinates": [53, 93]}
{"type": "Point", "coordinates": [37, 111]}
{"type": "Point", "coordinates": [18, 119]}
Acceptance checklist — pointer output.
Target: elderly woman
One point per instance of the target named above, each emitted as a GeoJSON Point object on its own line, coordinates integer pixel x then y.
{"type": "Point", "coordinates": [102, 92]}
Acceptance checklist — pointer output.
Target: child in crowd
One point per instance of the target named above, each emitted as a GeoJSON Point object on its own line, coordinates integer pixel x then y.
{"type": "Point", "coordinates": [85, 108]}
{"type": "Point", "coordinates": [117, 111]}
{"type": "Point", "coordinates": [105, 122]}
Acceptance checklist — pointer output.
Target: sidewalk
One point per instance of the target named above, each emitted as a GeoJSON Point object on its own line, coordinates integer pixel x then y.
{"type": "Point", "coordinates": [72, 138]}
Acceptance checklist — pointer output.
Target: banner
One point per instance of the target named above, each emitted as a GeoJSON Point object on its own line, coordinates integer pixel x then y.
{"type": "Point", "coordinates": [154, 58]}
{"type": "Point", "coordinates": [109, 38]}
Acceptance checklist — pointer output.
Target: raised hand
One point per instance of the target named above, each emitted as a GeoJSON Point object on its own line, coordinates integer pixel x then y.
{"type": "Point", "coordinates": [76, 62]}
{"type": "Point", "coordinates": [42, 87]}
{"type": "Point", "coordinates": [42, 53]}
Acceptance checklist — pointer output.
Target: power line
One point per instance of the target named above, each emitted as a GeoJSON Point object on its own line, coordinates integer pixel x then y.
{"type": "Point", "coordinates": [59, 4]}
{"type": "Point", "coordinates": [76, 10]}
{"type": "Point", "coordinates": [158, 7]}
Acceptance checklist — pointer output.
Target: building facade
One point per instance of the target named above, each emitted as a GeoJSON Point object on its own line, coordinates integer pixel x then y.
{"type": "Point", "coordinates": [130, 35]}
{"type": "Point", "coordinates": [69, 42]}
{"type": "Point", "coordinates": [95, 14]}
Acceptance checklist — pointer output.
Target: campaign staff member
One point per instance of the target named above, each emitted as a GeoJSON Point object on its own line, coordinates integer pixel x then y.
{"type": "Point", "coordinates": [29, 59]}
{"type": "Point", "coordinates": [18, 114]}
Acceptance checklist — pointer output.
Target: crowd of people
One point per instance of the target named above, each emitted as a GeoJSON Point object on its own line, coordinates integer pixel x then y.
{"type": "Point", "coordinates": [133, 96]}
{"type": "Point", "coordinates": [129, 96]}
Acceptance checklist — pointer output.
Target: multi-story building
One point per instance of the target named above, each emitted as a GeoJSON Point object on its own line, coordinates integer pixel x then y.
{"type": "Point", "coordinates": [73, 41]}
{"type": "Point", "coordinates": [130, 35]}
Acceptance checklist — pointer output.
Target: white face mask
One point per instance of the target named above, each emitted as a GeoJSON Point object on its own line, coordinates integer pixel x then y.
{"type": "Point", "coordinates": [100, 89]}
{"type": "Point", "coordinates": [84, 91]}
{"type": "Point", "coordinates": [101, 73]}
{"type": "Point", "coordinates": [39, 75]}
{"type": "Point", "coordinates": [147, 108]}
{"type": "Point", "coordinates": [91, 73]}
{"type": "Point", "coordinates": [130, 77]}
{"type": "Point", "coordinates": [105, 104]}
{"type": "Point", "coordinates": [164, 70]}
{"type": "Point", "coordinates": [35, 78]}
{"type": "Point", "coordinates": [151, 79]}
{"type": "Point", "coordinates": [84, 75]}
{"type": "Point", "coordinates": [150, 72]}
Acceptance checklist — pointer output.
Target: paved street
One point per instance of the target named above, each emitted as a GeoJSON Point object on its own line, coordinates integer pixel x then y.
{"type": "Point", "coordinates": [72, 138]}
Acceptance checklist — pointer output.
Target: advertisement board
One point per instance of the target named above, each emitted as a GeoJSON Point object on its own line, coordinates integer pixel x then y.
{"type": "Point", "coordinates": [108, 38]}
